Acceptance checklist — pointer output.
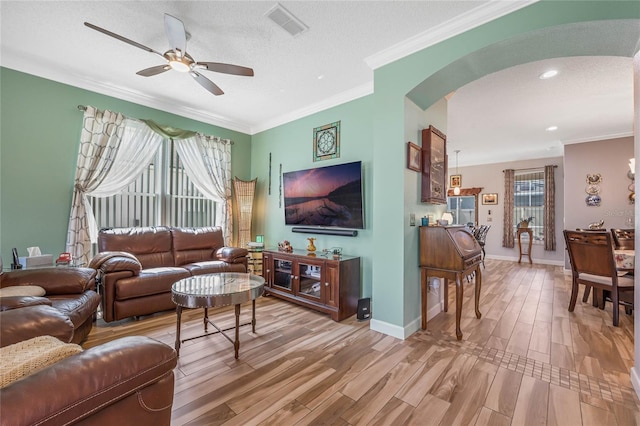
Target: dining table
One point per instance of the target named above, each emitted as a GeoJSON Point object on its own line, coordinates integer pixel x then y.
{"type": "Point", "coordinates": [625, 259]}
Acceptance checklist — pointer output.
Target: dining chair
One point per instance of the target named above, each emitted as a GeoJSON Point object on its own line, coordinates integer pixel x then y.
{"type": "Point", "coordinates": [593, 264]}
{"type": "Point", "coordinates": [587, 288]}
{"type": "Point", "coordinates": [481, 235]}
{"type": "Point", "coordinates": [624, 239]}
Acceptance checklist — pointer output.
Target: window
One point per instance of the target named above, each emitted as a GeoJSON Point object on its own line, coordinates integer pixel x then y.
{"type": "Point", "coordinates": [529, 201]}
{"type": "Point", "coordinates": [162, 195]}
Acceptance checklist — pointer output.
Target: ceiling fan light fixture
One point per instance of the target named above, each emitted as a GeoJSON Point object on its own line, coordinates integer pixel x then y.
{"type": "Point", "coordinates": [179, 66]}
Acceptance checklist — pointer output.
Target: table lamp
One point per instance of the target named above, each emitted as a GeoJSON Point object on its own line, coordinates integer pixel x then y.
{"type": "Point", "coordinates": [448, 217]}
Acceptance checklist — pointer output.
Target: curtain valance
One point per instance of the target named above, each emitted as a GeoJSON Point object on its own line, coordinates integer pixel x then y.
{"type": "Point", "coordinates": [168, 131]}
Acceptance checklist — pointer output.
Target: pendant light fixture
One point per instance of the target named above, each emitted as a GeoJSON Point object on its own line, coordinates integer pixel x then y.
{"type": "Point", "coordinates": [456, 189]}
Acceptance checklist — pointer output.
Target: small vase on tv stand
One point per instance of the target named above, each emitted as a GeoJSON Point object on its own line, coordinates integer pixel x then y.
{"type": "Point", "coordinates": [311, 247]}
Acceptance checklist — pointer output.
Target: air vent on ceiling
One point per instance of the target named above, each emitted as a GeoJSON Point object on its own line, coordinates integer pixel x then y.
{"type": "Point", "coordinates": [285, 19]}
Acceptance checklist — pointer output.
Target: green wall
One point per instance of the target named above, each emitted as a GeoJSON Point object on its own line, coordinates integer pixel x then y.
{"type": "Point", "coordinates": [39, 138]}
{"type": "Point", "coordinates": [38, 155]}
{"type": "Point", "coordinates": [291, 145]}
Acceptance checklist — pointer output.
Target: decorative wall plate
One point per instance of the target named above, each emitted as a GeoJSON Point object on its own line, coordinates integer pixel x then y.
{"type": "Point", "coordinates": [592, 189]}
{"type": "Point", "coordinates": [326, 142]}
{"type": "Point", "coordinates": [593, 200]}
{"type": "Point", "coordinates": [594, 178]}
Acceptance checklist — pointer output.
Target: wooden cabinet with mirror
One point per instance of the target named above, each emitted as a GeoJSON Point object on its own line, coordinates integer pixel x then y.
{"type": "Point", "coordinates": [434, 166]}
{"type": "Point", "coordinates": [464, 207]}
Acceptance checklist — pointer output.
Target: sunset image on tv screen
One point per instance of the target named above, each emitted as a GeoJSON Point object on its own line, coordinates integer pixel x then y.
{"type": "Point", "coordinates": [324, 196]}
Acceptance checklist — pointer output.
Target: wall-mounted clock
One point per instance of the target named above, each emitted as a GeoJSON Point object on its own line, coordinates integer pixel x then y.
{"type": "Point", "coordinates": [326, 142]}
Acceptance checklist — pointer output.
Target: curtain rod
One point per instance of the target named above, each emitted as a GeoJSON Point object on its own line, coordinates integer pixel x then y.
{"type": "Point", "coordinates": [532, 168]}
{"type": "Point", "coordinates": [84, 108]}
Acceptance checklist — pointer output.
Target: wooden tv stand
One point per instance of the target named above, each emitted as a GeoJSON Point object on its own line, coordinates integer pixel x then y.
{"type": "Point", "coordinates": [322, 283]}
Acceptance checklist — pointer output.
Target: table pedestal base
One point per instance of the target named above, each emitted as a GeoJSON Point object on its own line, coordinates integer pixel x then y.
{"type": "Point", "coordinates": [529, 232]}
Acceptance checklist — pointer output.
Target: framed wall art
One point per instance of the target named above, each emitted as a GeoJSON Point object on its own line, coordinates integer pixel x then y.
{"type": "Point", "coordinates": [490, 199]}
{"type": "Point", "coordinates": [434, 166]}
{"type": "Point", "coordinates": [455, 181]}
{"type": "Point", "coordinates": [414, 157]}
{"type": "Point", "coordinates": [326, 142]}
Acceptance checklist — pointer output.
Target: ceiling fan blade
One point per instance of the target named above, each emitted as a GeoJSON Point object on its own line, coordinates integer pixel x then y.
{"type": "Point", "coordinates": [176, 34]}
{"type": "Point", "coordinates": [119, 37]}
{"type": "Point", "coordinates": [148, 72]}
{"type": "Point", "coordinates": [206, 83]}
{"type": "Point", "coordinates": [227, 68]}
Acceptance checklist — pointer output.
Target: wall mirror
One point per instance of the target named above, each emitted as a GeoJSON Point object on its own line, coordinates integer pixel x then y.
{"type": "Point", "coordinates": [464, 207]}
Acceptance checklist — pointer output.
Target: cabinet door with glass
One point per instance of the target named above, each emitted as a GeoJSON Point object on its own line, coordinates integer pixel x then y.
{"type": "Point", "coordinates": [283, 275]}
{"type": "Point", "coordinates": [310, 278]}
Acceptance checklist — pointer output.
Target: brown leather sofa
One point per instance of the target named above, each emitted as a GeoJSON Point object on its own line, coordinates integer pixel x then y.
{"type": "Point", "coordinates": [137, 266]}
{"type": "Point", "coordinates": [66, 311]}
{"type": "Point", "coordinates": [128, 381]}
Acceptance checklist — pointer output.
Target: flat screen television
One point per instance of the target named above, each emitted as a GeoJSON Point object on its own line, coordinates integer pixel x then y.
{"type": "Point", "coordinates": [328, 196]}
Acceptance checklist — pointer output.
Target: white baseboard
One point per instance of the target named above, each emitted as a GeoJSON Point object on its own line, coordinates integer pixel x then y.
{"type": "Point", "coordinates": [386, 328]}
{"type": "Point", "coordinates": [406, 331]}
{"type": "Point", "coordinates": [635, 381]}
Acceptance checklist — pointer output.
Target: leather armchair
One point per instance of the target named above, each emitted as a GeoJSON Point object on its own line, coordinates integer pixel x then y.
{"type": "Point", "coordinates": [66, 311]}
{"type": "Point", "coordinates": [128, 381]}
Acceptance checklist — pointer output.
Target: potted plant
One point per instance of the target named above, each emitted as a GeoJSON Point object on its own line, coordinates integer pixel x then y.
{"type": "Point", "coordinates": [524, 223]}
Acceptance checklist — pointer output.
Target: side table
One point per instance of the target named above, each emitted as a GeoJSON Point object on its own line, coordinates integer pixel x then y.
{"type": "Point", "coordinates": [528, 252]}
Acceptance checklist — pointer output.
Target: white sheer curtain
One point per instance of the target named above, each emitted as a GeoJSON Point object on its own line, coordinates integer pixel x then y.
{"type": "Point", "coordinates": [207, 162]}
{"type": "Point", "coordinates": [113, 152]}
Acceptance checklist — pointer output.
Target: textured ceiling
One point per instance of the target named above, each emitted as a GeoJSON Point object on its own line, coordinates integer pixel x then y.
{"type": "Point", "coordinates": [591, 98]}
{"type": "Point", "coordinates": [50, 40]}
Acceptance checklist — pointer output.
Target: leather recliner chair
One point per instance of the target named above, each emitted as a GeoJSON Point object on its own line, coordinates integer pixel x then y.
{"type": "Point", "coordinates": [128, 381]}
{"type": "Point", "coordinates": [66, 311]}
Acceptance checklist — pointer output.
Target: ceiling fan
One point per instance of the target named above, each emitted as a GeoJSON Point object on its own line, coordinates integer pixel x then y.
{"type": "Point", "coordinates": [177, 57]}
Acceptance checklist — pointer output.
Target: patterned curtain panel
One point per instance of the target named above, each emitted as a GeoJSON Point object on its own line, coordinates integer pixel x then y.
{"type": "Point", "coordinates": [549, 208]}
{"type": "Point", "coordinates": [507, 224]}
{"type": "Point", "coordinates": [207, 162]}
{"type": "Point", "coordinates": [113, 151]}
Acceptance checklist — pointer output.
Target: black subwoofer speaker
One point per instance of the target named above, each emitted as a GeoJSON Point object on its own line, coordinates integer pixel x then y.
{"type": "Point", "coordinates": [364, 309]}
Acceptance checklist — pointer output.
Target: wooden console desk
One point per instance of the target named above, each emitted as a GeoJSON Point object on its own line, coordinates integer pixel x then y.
{"type": "Point", "coordinates": [451, 253]}
{"type": "Point", "coordinates": [528, 252]}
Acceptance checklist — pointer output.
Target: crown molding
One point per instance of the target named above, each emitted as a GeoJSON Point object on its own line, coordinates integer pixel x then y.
{"type": "Point", "coordinates": [341, 98]}
{"type": "Point", "coordinates": [597, 138]}
{"type": "Point", "coordinates": [482, 14]}
{"type": "Point", "coordinates": [486, 12]}
{"type": "Point", "coordinates": [83, 82]}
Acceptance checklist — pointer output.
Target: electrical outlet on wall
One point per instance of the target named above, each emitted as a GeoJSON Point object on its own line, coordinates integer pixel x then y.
{"type": "Point", "coordinates": [412, 219]}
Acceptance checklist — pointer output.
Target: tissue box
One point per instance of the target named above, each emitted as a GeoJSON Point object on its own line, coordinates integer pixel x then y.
{"type": "Point", "coordinates": [31, 262]}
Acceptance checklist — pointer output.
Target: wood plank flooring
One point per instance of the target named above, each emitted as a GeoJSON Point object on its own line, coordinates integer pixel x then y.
{"type": "Point", "coordinates": [527, 361]}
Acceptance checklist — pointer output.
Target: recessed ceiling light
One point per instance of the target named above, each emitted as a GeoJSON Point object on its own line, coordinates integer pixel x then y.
{"type": "Point", "coordinates": [551, 128]}
{"type": "Point", "coordinates": [548, 74]}
{"type": "Point", "coordinates": [321, 76]}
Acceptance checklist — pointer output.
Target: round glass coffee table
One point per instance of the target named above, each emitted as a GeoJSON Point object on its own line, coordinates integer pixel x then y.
{"type": "Point", "coordinates": [214, 291]}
